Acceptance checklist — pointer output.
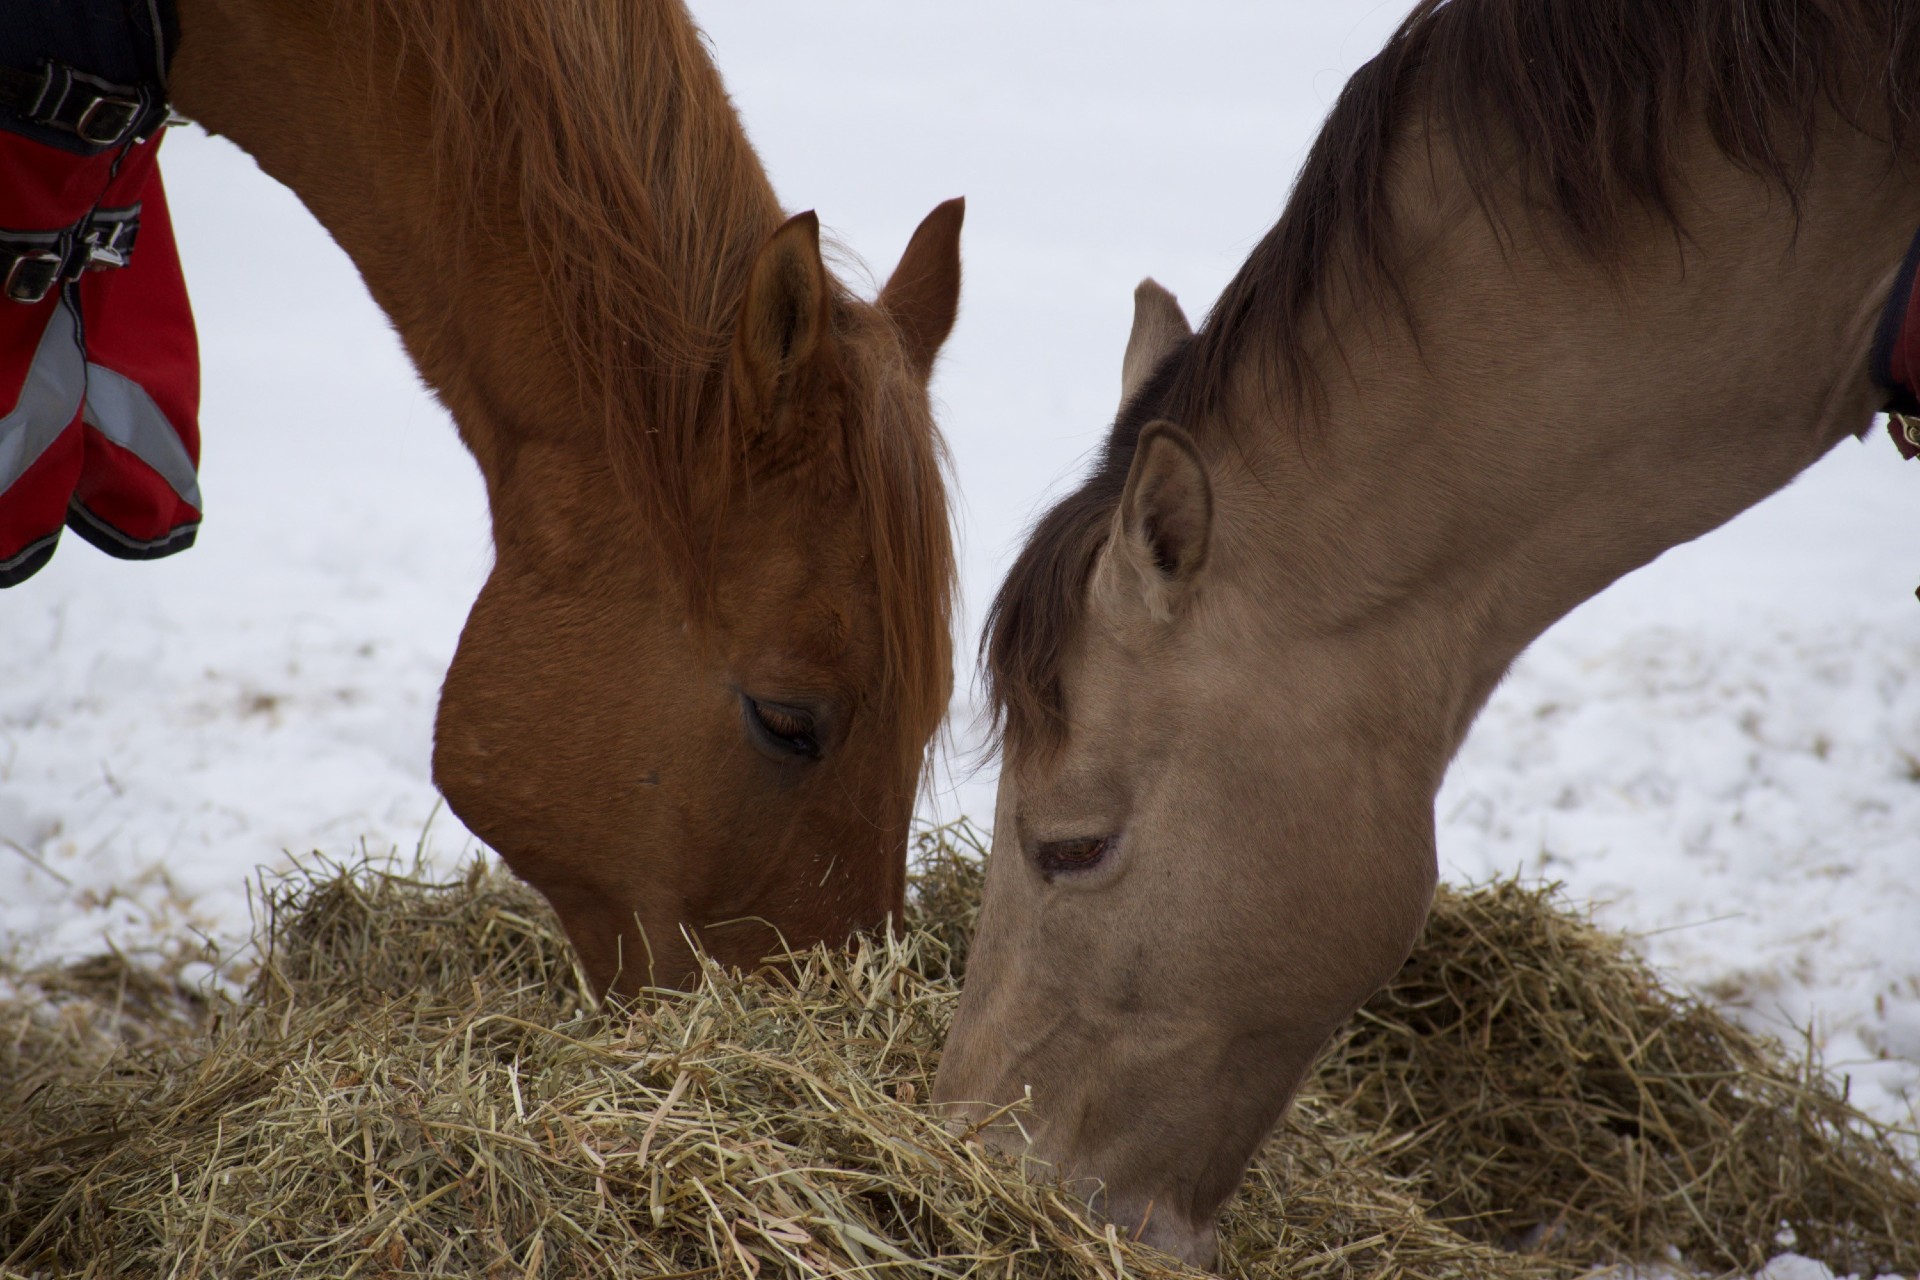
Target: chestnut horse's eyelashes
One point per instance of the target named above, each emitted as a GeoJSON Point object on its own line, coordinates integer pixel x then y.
{"type": "Point", "coordinates": [787, 731]}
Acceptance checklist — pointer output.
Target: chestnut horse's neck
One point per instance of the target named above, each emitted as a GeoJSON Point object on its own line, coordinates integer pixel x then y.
{"type": "Point", "coordinates": [1527, 423]}
{"type": "Point", "coordinates": [556, 205]}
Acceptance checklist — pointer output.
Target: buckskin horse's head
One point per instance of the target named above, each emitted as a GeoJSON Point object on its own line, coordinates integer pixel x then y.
{"type": "Point", "coordinates": [1200, 859]}
{"type": "Point", "coordinates": [1478, 370]}
{"type": "Point", "coordinates": [718, 741]}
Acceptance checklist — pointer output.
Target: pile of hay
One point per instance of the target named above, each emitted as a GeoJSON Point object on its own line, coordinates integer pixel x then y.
{"type": "Point", "coordinates": [415, 1084]}
{"type": "Point", "coordinates": [1541, 1082]}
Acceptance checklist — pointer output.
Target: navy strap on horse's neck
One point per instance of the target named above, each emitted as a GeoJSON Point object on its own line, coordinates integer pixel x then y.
{"type": "Point", "coordinates": [1896, 354]}
{"type": "Point", "coordinates": [86, 76]}
{"type": "Point", "coordinates": [85, 113]}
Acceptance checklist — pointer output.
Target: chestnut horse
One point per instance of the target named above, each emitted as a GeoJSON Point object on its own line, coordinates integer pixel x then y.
{"type": "Point", "coordinates": [692, 702]}
{"type": "Point", "coordinates": [1562, 284]}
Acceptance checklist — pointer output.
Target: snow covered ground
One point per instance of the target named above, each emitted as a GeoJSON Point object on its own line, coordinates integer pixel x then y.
{"type": "Point", "coordinates": [1722, 753]}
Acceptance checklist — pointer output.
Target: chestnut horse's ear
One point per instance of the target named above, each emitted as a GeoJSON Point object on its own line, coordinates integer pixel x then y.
{"type": "Point", "coordinates": [1166, 512]}
{"type": "Point", "coordinates": [1159, 325]}
{"type": "Point", "coordinates": [923, 295]}
{"type": "Point", "coordinates": [783, 318]}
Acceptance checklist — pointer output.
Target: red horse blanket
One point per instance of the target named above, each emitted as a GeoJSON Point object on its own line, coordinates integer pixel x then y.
{"type": "Point", "coordinates": [99, 364]}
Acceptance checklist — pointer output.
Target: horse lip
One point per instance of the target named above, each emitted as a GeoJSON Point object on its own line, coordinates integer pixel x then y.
{"type": "Point", "coordinates": [1195, 1247]}
{"type": "Point", "coordinates": [970, 1122]}
{"type": "Point", "coordinates": [974, 1124]}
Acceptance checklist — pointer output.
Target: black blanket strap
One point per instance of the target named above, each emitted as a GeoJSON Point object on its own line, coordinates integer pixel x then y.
{"type": "Point", "coordinates": [97, 112]}
{"type": "Point", "coordinates": [35, 263]}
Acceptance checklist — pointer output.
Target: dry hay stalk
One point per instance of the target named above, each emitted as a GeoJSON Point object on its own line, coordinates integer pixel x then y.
{"type": "Point", "coordinates": [416, 1085]}
{"type": "Point", "coordinates": [1543, 1081]}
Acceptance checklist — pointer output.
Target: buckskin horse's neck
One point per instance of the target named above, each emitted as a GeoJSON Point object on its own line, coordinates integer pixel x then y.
{"type": "Point", "coordinates": [1562, 422]}
{"type": "Point", "coordinates": [332, 100]}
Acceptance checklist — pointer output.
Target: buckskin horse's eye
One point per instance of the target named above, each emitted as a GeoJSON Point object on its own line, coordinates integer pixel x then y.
{"type": "Point", "coordinates": [786, 730]}
{"type": "Point", "coordinates": [1073, 855]}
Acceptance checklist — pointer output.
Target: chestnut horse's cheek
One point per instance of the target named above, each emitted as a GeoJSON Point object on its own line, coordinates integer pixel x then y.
{"type": "Point", "coordinates": [571, 739]}
{"type": "Point", "coordinates": [546, 757]}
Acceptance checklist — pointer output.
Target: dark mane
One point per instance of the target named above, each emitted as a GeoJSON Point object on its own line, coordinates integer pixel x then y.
{"type": "Point", "coordinates": [1575, 102]}
{"type": "Point", "coordinates": [1038, 607]}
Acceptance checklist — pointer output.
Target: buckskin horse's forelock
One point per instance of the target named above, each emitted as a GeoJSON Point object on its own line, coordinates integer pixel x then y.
{"type": "Point", "coordinates": [1037, 609]}
{"type": "Point", "coordinates": [1569, 102]}
{"type": "Point", "coordinates": [644, 206]}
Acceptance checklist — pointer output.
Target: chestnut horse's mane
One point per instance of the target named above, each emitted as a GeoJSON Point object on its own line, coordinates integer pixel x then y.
{"type": "Point", "coordinates": [1574, 101]}
{"type": "Point", "coordinates": [644, 208]}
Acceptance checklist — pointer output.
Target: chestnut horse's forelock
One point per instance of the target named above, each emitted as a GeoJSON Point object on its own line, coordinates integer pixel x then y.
{"type": "Point", "coordinates": [898, 482]}
{"type": "Point", "coordinates": [644, 208]}
{"type": "Point", "coordinates": [1573, 102]}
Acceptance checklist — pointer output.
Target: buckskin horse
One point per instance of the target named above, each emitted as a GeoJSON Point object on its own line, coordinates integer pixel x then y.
{"type": "Point", "coordinates": [1562, 283]}
{"type": "Point", "coordinates": [692, 701]}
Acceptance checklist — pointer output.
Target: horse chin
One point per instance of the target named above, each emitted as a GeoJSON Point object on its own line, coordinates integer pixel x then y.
{"type": "Point", "coordinates": [1197, 1246]}
{"type": "Point", "coordinates": [1152, 1221]}
{"type": "Point", "coordinates": [1144, 1219]}
{"type": "Point", "coordinates": [1163, 1219]}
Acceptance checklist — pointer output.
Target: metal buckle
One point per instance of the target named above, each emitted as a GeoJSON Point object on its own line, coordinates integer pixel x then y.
{"type": "Point", "coordinates": [110, 244]}
{"type": "Point", "coordinates": [109, 236]}
{"type": "Point", "coordinates": [107, 119]}
{"type": "Point", "coordinates": [98, 112]}
{"type": "Point", "coordinates": [33, 276]}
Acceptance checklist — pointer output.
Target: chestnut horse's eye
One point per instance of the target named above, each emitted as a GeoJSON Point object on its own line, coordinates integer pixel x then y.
{"type": "Point", "coordinates": [1073, 855]}
{"type": "Point", "coordinates": [784, 730]}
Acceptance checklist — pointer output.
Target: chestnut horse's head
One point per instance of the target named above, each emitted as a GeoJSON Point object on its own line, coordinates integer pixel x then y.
{"type": "Point", "coordinates": [692, 702]}
{"type": "Point", "coordinates": [706, 727]}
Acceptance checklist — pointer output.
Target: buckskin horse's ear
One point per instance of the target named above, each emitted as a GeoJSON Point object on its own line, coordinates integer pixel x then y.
{"type": "Point", "coordinates": [1166, 513]}
{"type": "Point", "coordinates": [783, 318]}
{"type": "Point", "coordinates": [923, 296]}
{"type": "Point", "coordinates": [1159, 325]}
